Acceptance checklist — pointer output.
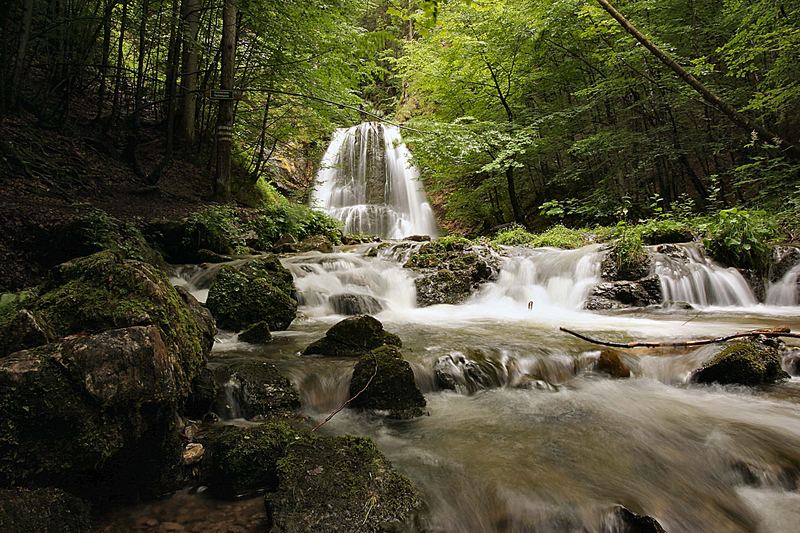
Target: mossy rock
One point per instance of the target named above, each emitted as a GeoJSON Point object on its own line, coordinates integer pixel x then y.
{"type": "Point", "coordinates": [259, 290]}
{"type": "Point", "coordinates": [204, 393]}
{"type": "Point", "coordinates": [352, 337]}
{"type": "Point", "coordinates": [335, 484]}
{"type": "Point", "coordinates": [257, 333]}
{"type": "Point", "coordinates": [392, 388]}
{"type": "Point", "coordinates": [95, 414]}
{"type": "Point", "coordinates": [742, 363]}
{"type": "Point", "coordinates": [104, 291]}
{"type": "Point", "coordinates": [244, 461]}
{"type": "Point", "coordinates": [259, 389]}
{"type": "Point", "coordinates": [94, 230]}
{"type": "Point", "coordinates": [43, 511]}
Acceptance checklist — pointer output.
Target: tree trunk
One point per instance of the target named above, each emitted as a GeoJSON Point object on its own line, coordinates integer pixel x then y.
{"type": "Point", "coordinates": [744, 122]}
{"type": "Point", "coordinates": [190, 13]}
{"type": "Point", "coordinates": [222, 184]}
{"type": "Point", "coordinates": [19, 63]}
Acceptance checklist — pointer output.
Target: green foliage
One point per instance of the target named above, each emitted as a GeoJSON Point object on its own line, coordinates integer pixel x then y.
{"type": "Point", "coordinates": [741, 238]}
{"type": "Point", "coordinates": [665, 230]}
{"type": "Point", "coordinates": [628, 250]}
{"type": "Point", "coordinates": [216, 228]}
{"type": "Point", "coordinates": [283, 219]}
{"type": "Point", "coordinates": [556, 237]}
{"type": "Point", "coordinates": [447, 243]}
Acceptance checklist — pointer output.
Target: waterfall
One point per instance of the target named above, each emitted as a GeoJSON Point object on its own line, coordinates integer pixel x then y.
{"type": "Point", "coordinates": [368, 181]}
{"type": "Point", "coordinates": [687, 275]}
{"type": "Point", "coordinates": [785, 291]}
{"type": "Point", "coordinates": [548, 277]}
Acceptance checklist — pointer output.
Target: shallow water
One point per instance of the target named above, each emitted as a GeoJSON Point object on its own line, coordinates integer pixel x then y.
{"type": "Point", "coordinates": [545, 443]}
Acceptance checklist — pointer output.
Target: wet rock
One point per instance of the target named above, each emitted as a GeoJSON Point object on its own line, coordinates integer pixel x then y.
{"type": "Point", "coordinates": [258, 333]}
{"type": "Point", "coordinates": [318, 243]}
{"type": "Point", "coordinates": [459, 373]}
{"type": "Point", "coordinates": [242, 461]}
{"type": "Point", "coordinates": [258, 290]}
{"type": "Point", "coordinates": [346, 485]}
{"type": "Point", "coordinates": [756, 281]}
{"type": "Point", "coordinates": [784, 258]}
{"type": "Point", "coordinates": [673, 251]}
{"type": "Point", "coordinates": [43, 511]}
{"type": "Point", "coordinates": [612, 271]}
{"type": "Point", "coordinates": [621, 294]}
{"type": "Point", "coordinates": [207, 256]}
{"type": "Point", "coordinates": [258, 388]}
{"type": "Point", "coordinates": [359, 238]}
{"type": "Point", "coordinates": [355, 304]}
{"type": "Point", "coordinates": [450, 270]}
{"type": "Point", "coordinates": [743, 363]}
{"type": "Point", "coordinates": [352, 337]}
{"type": "Point", "coordinates": [391, 389]}
{"type": "Point", "coordinates": [624, 520]}
{"type": "Point", "coordinates": [193, 453]}
{"type": "Point", "coordinates": [202, 316]}
{"type": "Point", "coordinates": [204, 393]}
{"type": "Point", "coordinates": [418, 238]}
{"type": "Point", "coordinates": [791, 361]}
{"type": "Point", "coordinates": [612, 364]}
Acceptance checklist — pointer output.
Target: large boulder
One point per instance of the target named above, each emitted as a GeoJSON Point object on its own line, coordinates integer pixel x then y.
{"type": "Point", "coordinates": [353, 337]}
{"type": "Point", "coordinates": [333, 484]}
{"type": "Point", "coordinates": [257, 388]}
{"type": "Point", "coordinates": [242, 461]}
{"type": "Point", "coordinates": [81, 411]}
{"type": "Point", "coordinates": [621, 294]}
{"type": "Point", "coordinates": [742, 363]}
{"type": "Point", "coordinates": [388, 387]}
{"type": "Point", "coordinates": [257, 333]}
{"type": "Point", "coordinates": [450, 270]}
{"type": "Point", "coordinates": [43, 511]}
{"type": "Point", "coordinates": [254, 291]}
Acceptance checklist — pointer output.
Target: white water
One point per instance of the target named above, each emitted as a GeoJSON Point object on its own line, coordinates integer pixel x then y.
{"type": "Point", "coordinates": [696, 279]}
{"type": "Point", "coordinates": [368, 181]}
{"type": "Point", "coordinates": [785, 291]}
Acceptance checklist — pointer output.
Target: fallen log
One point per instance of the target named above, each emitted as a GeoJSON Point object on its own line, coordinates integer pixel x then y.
{"type": "Point", "coordinates": [767, 332]}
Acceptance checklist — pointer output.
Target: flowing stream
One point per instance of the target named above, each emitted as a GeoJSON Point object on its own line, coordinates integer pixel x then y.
{"type": "Point", "coordinates": [531, 438]}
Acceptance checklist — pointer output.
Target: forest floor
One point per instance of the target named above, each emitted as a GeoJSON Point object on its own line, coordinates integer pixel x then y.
{"type": "Point", "coordinates": [46, 174]}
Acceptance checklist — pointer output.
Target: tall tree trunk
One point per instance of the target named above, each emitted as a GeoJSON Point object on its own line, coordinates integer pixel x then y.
{"type": "Point", "coordinates": [106, 51]}
{"type": "Point", "coordinates": [222, 184]}
{"type": "Point", "coordinates": [118, 77]}
{"type": "Point", "coordinates": [190, 13]}
{"type": "Point", "coordinates": [19, 63]}
{"type": "Point", "coordinates": [743, 121]}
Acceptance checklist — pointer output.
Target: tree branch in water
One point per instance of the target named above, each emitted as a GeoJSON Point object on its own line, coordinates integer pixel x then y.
{"type": "Point", "coordinates": [345, 404]}
{"type": "Point", "coordinates": [767, 332]}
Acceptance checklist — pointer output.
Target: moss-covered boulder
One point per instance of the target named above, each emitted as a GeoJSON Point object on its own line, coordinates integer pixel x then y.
{"type": "Point", "coordinates": [743, 363]}
{"type": "Point", "coordinates": [243, 461]}
{"type": "Point", "coordinates": [43, 511]}
{"type": "Point", "coordinates": [610, 362]}
{"type": "Point", "coordinates": [79, 411]}
{"type": "Point", "coordinates": [203, 395]}
{"type": "Point", "coordinates": [622, 294]}
{"type": "Point", "coordinates": [257, 388]}
{"type": "Point", "coordinates": [354, 304]}
{"type": "Point", "coordinates": [389, 388]}
{"type": "Point", "coordinates": [255, 291]}
{"type": "Point", "coordinates": [352, 337]}
{"type": "Point", "coordinates": [450, 270]}
{"type": "Point", "coordinates": [257, 333]}
{"type": "Point", "coordinates": [335, 484]}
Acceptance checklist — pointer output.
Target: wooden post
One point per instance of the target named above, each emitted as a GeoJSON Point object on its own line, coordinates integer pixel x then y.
{"type": "Point", "coordinates": [222, 184]}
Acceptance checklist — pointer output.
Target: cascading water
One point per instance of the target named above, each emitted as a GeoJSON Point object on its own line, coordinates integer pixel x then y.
{"type": "Point", "coordinates": [785, 291]}
{"type": "Point", "coordinates": [368, 181]}
{"type": "Point", "coordinates": [687, 275]}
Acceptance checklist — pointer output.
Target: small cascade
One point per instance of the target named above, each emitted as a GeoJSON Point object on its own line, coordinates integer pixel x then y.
{"type": "Point", "coordinates": [785, 291]}
{"type": "Point", "coordinates": [231, 409]}
{"type": "Point", "coordinates": [348, 283]}
{"type": "Point", "coordinates": [688, 275]}
{"type": "Point", "coordinates": [548, 277]}
{"type": "Point", "coordinates": [198, 278]}
{"type": "Point", "coordinates": [368, 181]}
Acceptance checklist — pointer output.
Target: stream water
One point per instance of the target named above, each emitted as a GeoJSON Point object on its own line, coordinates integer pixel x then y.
{"type": "Point", "coordinates": [537, 441]}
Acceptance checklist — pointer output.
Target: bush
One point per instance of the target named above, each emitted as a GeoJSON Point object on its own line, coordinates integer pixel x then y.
{"type": "Point", "coordinates": [740, 238]}
{"type": "Point", "coordinates": [556, 237]}
{"type": "Point", "coordinates": [273, 222]}
{"type": "Point", "coordinates": [665, 231]}
{"type": "Point", "coordinates": [216, 228]}
{"type": "Point", "coordinates": [628, 250]}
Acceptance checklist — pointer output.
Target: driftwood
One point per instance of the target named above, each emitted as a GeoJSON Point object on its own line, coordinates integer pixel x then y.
{"type": "Point", "coordinates": [345, 404]}
{"type": "Point", "coordinates": [766, 332]}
